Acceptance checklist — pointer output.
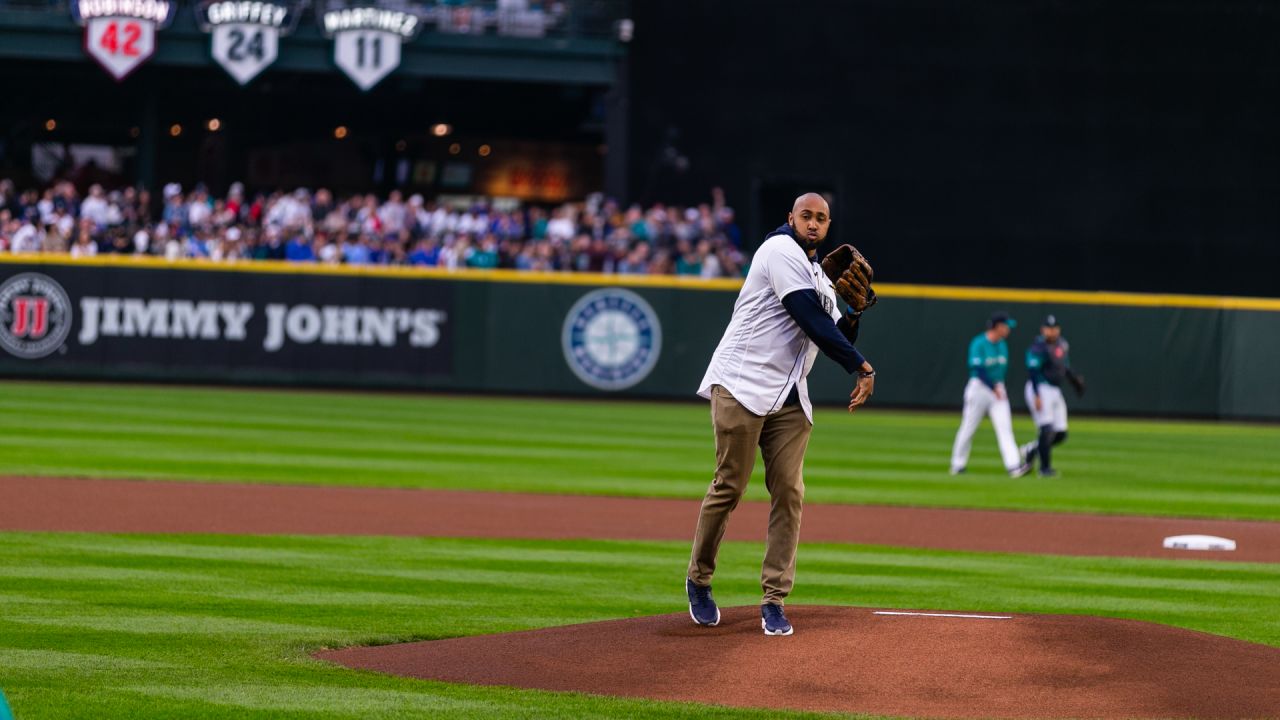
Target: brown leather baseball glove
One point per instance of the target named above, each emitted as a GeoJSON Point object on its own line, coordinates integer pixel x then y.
{"type": "Point", "coordinates": [851, 275]}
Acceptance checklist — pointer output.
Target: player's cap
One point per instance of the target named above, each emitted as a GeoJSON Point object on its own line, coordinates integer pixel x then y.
{"type": "Point", "coordinates": [1050, 321]}
{"type": "Point", "coordinates": [1001, 317]}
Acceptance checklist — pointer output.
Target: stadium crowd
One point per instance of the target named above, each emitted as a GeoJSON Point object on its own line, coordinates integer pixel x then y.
{"type": "Point", "coordinates": [596, 235]}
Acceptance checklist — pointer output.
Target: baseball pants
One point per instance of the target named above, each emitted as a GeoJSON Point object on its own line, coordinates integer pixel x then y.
{"type": "Point", "coordinates": [782, 438]}
{"type": "Point", "coordinates": [980, 401]}
{"type": "Point", "coordinates": [1053, 406]}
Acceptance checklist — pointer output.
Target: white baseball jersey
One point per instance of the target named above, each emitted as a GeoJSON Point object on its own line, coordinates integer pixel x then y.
{"type": "Point", "coordinates": [764, 352]}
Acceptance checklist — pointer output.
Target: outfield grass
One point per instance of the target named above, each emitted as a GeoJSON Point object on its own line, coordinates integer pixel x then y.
{"type": "Point", "coordinates": [615, 448]}
{"type": "Point", "coordinates": [107, 626]}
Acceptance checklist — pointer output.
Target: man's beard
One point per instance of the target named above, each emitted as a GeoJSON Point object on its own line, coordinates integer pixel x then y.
{"type": "Point", "coordinates": [804, 240]}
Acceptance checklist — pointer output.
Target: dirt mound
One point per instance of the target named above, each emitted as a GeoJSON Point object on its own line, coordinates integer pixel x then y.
{"type": "Point", "coordinates": [858, 660]}
{"type": "Point", "coordinates": [175, 507]}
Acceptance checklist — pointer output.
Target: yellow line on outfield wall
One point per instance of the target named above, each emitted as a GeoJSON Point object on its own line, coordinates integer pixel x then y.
{"type": "Point", "coordinates": [1078, 297]}
{"type": "Point", "coordinates": [887, 290]}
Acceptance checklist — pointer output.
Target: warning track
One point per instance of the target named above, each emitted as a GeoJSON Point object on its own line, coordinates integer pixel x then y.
{"type": "Point", "coordinates": [81, 505]}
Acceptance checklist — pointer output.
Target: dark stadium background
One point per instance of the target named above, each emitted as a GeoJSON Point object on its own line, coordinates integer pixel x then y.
{"type": "Point", "coordinates": [1084, 145]}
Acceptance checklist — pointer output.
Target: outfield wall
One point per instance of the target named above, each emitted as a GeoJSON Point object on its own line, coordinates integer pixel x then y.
{"type": "Point", "coordinates": [498, 331]}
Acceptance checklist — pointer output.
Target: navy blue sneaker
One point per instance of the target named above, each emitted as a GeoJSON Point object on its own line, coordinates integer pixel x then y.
{"type": "Point", "coordinates": [773, 621]}
{"type": "Point", "coordinates": [702, 607]}
{"type": "Point", "coordinates": [1048, 473]}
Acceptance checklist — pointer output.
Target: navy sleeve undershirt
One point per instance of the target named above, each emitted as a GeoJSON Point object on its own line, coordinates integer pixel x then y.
{"type": "Point", "coordinates": [805, 308]}
{"type": "Point", "coordinates": [982, 375]}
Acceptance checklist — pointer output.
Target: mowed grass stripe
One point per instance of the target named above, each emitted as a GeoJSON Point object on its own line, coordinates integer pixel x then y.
{"type": "Point", "coordinates": [615, 448]}
{"type": "Point", "coordinates": [120, 626]}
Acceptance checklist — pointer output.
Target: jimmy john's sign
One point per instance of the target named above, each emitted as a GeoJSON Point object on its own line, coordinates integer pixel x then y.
{"type": "Point", "coordinates": [245, 34]}
{"type": "Point", "coordinates": [367, 40]}
{"type": "Point", "coordinates": [228, 321]}
{"type": "Point", "coordinates": [193, 320]}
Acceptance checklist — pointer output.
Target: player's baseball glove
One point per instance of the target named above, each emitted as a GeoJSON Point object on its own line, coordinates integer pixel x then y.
{"type": "Point", "coordinates": [851, 275]}
{"type": "Point", "coordinates": [1077, 382]}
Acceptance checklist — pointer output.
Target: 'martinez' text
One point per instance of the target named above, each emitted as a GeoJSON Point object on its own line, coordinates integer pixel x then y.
{"type": "Point", "coordinates": [369, 18]}
{"type": "Point", "coordinates": [228, 321]}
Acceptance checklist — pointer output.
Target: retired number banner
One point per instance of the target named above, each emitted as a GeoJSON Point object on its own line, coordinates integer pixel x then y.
{"type": "Point", "coordinates": [245, 36]}
{"type": "Point", "coordinates": [121, 34]}
{"type": "Point", "coordinates": [366, 40]}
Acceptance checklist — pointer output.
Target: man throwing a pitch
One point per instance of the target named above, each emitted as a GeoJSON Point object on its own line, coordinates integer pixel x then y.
{"type": "Point", "coordinates": [785, 313]}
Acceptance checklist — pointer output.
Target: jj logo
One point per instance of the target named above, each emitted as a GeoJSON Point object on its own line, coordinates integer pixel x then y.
{"type": "Point", "coordinates": [30, 317]}
{"type": "Point", "coordinates": [35, 315]}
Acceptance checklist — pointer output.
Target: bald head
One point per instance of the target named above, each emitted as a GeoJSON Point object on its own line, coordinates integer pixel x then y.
{"type": "Point", "coordinates": [810, 219]}
{"type": "Point", "coordinates": [811, 200]}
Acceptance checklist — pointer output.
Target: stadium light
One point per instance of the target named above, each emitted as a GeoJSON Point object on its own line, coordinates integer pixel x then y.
{"type": "Point", "coordinates": [50, 124]}
{"type": "Point", "coordinates": [175, 130]}
{"type": "Point", "coordinates": [214, 124]}
{"type": "Point", "coordinates": [484, 150]}
{"type": "Point", "coordinates": [454, 149]}
{"type": "Point", "coordinates": [340, 132]}
{"type": "Point", "coordinates": [441, 129]}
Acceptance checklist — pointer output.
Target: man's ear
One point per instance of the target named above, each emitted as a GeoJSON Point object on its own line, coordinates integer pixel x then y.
{"type": "Point", "coordinates": [790, 219]}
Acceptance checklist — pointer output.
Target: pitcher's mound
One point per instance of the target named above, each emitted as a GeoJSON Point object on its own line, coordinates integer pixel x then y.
{"type": "Point", "coordinates": [848, 659]}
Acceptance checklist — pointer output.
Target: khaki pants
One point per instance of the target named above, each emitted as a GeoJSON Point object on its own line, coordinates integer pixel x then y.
{"type": "Point", "coordinates": [782, 438]}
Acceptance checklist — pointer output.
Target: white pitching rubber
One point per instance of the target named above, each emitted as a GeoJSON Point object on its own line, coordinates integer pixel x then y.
{"type": "Point", "coordinates": [946, 615]}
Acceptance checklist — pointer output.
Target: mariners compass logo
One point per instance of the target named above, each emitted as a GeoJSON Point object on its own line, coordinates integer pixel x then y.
{"type": "Point", "coordinates": [611, 339]}
{"type": "Point", "coordinates": [35, 315]}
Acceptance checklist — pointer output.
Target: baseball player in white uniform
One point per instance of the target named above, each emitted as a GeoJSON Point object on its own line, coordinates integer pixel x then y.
{"type": "Point", "coordinates": [785, 313]}
{"type": "Point", "coordinates": [985, 396]}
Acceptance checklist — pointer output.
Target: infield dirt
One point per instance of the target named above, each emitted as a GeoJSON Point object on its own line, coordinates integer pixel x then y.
{"type": "Point", "coordinates": [79, 505]}
{"type": "Point", "coordinates": [846, 659]}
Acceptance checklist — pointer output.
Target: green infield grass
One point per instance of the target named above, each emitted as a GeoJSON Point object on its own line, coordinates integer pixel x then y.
{"type": "Point", "coordinates": [120, 626]}
{"type": "Point", "coordinates": [876, 456]}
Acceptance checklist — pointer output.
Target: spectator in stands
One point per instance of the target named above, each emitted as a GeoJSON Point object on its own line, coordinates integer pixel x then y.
{"type": "Point", "coordinates": [637, 261]}
{"type": "Point", "coordinates": [425, 253]}
{"type": "Point", "coordinates": [485, 255]}
{"type": "Point", "coordinates": [27, 237]}
{"type": "Point", "coordinates": [84, 245]}
{"type": "Point", "coordinates": [393, 212]}
{"type": "Point", "coordinates": [94, 207]}
{"type": "Point", "coordinates": [596, 235]}
{"type": "Point", "coordinates": [299, 249]}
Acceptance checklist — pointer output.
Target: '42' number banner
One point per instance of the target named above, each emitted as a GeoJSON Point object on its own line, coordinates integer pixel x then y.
{"type": "Point", "coordinates": [246, 34]}
{"type": "Point", "coordinates": [367, 40]}
{"type": "Point", "coordinates": [120, 35]}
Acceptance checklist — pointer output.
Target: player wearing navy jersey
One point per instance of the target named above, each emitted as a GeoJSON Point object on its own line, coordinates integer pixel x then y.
{"type": "Point", "coordinates": [985, 396]}
{"type": "Point", "coordinates": [1048, 365]}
